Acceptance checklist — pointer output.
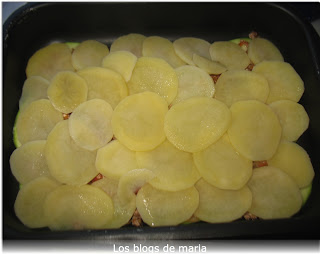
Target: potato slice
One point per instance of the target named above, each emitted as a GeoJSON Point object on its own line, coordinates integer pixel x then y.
{"type": "Point", "coordinates": [30, 201]}
{"type": "Point", "coordinates": [34, 88]}
{"type": "Point", "coordinates": [216, 205]}
{"type": "Point", "coordinates": [239, 85]}
{"type": "Point", "coordinates": [193, 82]}
{"type": "Point", "coordinates": [89, 53]}
{"type": "Point", "coordinates": [174, 169]}
{"type": "Point", "coordinates": [293, 118]}
{"type": "Point", "coordinates": [67, 91]}
{"type": "Point", "coordinates": [138, 121]}
{"type": "Point", "coordinates": [222, 166]}
{"type": "Point", "coordinates": [114, 160]}
{"type": "Point", "coordinates": [156, 46]}
{"type": "Point", "coordinates": [274, 194]}
{"type": "Point", "coordinates": [131, 42]}
{"type": "Point", "coordinates": [166, 208]}
{"type": "Point", "coordinates": [255, 130]}
{"type": "Point", "coordinates": [50, 60]}
{"type": "Point", "coordinates": [261, 49]}
{"type": "Point", "coordinates": [284, 82]}
{"type": "Point", "coordinates": [295, 161]}
{"type": "Point", "coordinates": [305, 193]}
{"type": "Point", "coordinates": [122, 62]}
{"type": "Point", "coordinates": [36, 121]}
{"type": "Point", "coordinates": [68, 163]}
{"type": "Point", "coordinates": [90, 124]}
{"type": "Point", "coordinates": [229, 54]}
{"type": "Point", "coordinates": [196, 123]}
{"type": "Point", "coordinates": [207, 65]}
{"type": "Point", "coordinates": [78, 207]}
{"type": "Point", "coordinates": [154, 75]}
{"type": "Point", "coordinates": [187, 46]}
{"type": "Point", "coordinates": [104, 84]}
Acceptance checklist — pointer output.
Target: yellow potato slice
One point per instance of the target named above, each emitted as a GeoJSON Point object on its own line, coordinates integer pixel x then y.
{"type": "Point", "coordinates": [156, 46]}
{"type": "Point", "coordinates": [217, 205]}
{"type": "Point", "coordinates": [229, 54]}
{"type": "Point", "coordinates": [90, 124]}
{"type": "Point", "coordinates": [50, 60]}
{"type": "Point", "coordinates": [154, 75]}
{"type": "Point", "coordinates": [195, 123]}
{"type": "Point", "coordinates": [28, 162]}
{"type": "Point", "coordinates": [122, 62]}
{"type": "Point", "coordinates": [174, 169]}
{"type": "Point", "coordinates": [274, 194]}
{"type": "Point", "coordinates": [114, 160]}
{"type": "Point", "coordinates": [284, 82]}
{"type": "Point", "coordinates": [36, 121]}
{"type": "Point", "coordinates": [89, 53]}
{"type": "Point", "coordinates": [222, 166]}
{"type": "Point", "coordinates": [239, 85]}
{"type": "Point", "coordinates": [187, 46]}
{"type": "Point", "coordinates": [104, 84]}
{"type": "Point", "coordinates": [138, 121]}
{"type": "Point", "coordinates": [78, 207]}
{"type": "Point", "coordinates": [193, 81]}
{"type": "Point", "coordinates": [68, 163]}
{"type": "Point", "coordinates": [30, 201]}
{"type": "Point", "coordinates": [67, 91]}
{"type": "Point", "coordinates": [295, 161]}
{"type": "Point", "coordinates": [255, 130]}
{"type": "Point", "coordinates": [207, 65]}
{"type": "Point", "coordinates": [293, 118]}
{"type": "Point", "coordinates": [34, 88]}
{"type": "Point", "coordinates": [261, 49]}
{"type": "Point", "coordinates": [166, 208]}
{"type": "Point", "coordinates": [131, 42]}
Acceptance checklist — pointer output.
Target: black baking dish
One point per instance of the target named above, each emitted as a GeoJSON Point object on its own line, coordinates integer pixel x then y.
{"type": "Point", "coordinates": [38, 24]}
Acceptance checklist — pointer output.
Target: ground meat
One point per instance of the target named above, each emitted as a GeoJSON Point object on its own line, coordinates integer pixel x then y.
{"type": "Point", "coordinates": [250, 67]}
{"type": "Point", "coordinates": [259, 164]}
{"type": "Point", "coordinates": [136, 219]}
{"type": "Point", "coordinates": [98, 177]}
{"type": "Point", "coordinates": [253, 35]}
{"type": "Point", "coordinates": [249, 216]}
{"type": "Point", "coordinates": [215, 77]}
{"type": "Point", "coordinates": [66, 116]}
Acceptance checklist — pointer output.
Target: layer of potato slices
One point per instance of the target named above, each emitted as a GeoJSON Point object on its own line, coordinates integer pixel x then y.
{"type": "Point", "coordinates": [261, 49]}
{"type": "Point", "coordinates": [131, 42]}
{"type": "Point", "coordinates": [166, 208]}
{"type": "Point", "coordinates": [209, 66]}
{"type": "Point", "coordinates": [274, 194]}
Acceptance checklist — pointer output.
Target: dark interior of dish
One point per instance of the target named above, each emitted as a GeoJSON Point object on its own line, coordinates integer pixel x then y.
{"type": "Point", "coordinates": [36, 25]}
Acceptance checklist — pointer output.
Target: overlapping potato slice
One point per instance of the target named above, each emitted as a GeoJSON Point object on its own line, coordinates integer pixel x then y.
{"type": "Point", "coordinates": [104, 84]}
{"type": "Point", "coordinates": [34, 88]}
{"type": "Point", "coordinates": [293, 118]}
{"type": "Point", "coordinates": [78, 207]}
{"type": "Point", "coordinates": [195, 123]}
{"type": "Point", "coordinates": [174, 169]}
{"type": "Point", "coordinates": [48, 61]}
{"type": "Point", "coordinates": [305, 193]}
{"type": "Point", "coordinates": [89, 53]}
{"type": "Point", "coordinates": [156, 46]}
{"type": "Point", "coordinates": [217, 205]}
{"type": "Point", "coordinates": [207, 65]}
{"type": "Point", "coordinates": [90, 124]}
{"type": "Point", "coordinates": [295, 161]}
{"type": "Point", "coordinates": [122, 62]}
{"type": "Point", "coordinates": [255, 130]}
{"type": "Point", "coordinates": [239, 85]}
{"type": "Point", "coordinates": [67, 91]}
{"type": "Point", "coordinates": [284, 82]}
{"type": "Point", "coordinates": [166, 208]}
{"type": "Point", "coordinates": [154, 75]}
{"type": "Point", "coordinates": [229, 54]}
{"type": "Point", "coordinates": [274, 194]}
{"type": "Point", "coordinates": [261, 49]}
{"type": "Point", "coordinates": [30, 201]}
{"type": "Point", "coordinates": [222, 166]}
{"type": "Point", "coordinates": [193, 81]}
{"type": "Point", "coordinates": [138, 121]}
{"type": "Point", "coordinates": [28, 162]}
{"type": "Point", "coordinates": [131, 42]}
{"type": "Point", "coordinates": [115, 159]}
{"type": "Point", "coordinates": [68, 163]}
{"type": "Point", "coordinates": [36, 121]}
